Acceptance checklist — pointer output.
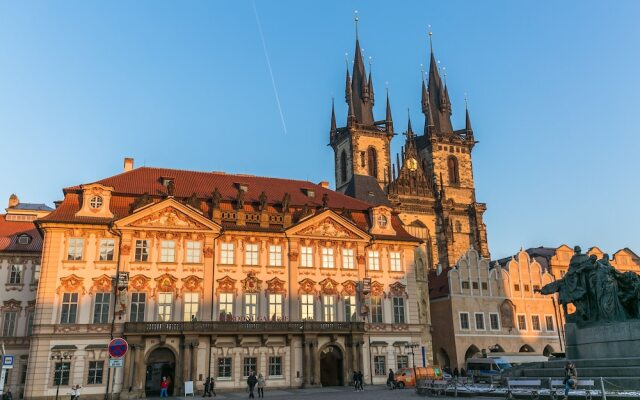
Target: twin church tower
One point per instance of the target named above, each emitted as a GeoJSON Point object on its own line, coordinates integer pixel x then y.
{"type": "Point", "coordinates": [430, 184]}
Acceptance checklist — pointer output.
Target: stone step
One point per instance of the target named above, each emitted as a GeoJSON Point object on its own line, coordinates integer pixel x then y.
{"type": "Point", "coordinates": [583, 373]}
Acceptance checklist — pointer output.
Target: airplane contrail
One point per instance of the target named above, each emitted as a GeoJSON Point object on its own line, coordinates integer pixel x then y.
{"type": "Point", "coordinates": [266, 55]}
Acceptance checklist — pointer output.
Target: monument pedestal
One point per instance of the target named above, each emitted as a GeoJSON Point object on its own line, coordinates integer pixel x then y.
{"type": "Point", "coordinates": [603, 340]}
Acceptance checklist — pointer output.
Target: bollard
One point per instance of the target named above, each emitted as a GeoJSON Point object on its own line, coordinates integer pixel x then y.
{"type": "Point", "coordinates": [604, 392]}
{"type": "Point", "coordinates": [455, 387]}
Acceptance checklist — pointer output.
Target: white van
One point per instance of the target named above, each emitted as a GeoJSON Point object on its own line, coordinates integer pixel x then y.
{"type": "Point", "coordinates": [486, 368]}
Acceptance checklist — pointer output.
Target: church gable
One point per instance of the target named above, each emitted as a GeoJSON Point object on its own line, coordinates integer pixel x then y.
{"type": "Point", "coordinates": [168, 214]}
{"type": "Point", "coordinates": [328, 224]}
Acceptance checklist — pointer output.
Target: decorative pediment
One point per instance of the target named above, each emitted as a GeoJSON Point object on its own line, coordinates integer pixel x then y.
{"type": "Point", "coordinates": [139, 283]}
{"type": "Point", "coordinates": [168, 215]}
{"type": "Point", "coordinates": [192, 283]}
{"type": "Point", "coordinates": [307, 286]}
{"type": "Point", "coordinates": [11, 305]}
{"type": "Point", "coordinates": [166, 283]}
{"type": "Point", "coordinates": [71, 284]}
{"type": "Point", "coordinates": [276, 286]}
{"type": "Point", "coordinates": [348, 288]}
{"type": "Point", "coordinates": [226, 285]}
{"type": "Point", "coordinates": [398, 290]}
{"type": "Point", "coordinates": [251, 284]}
{"type": "Point", "coordinates": [328, 225]}
{"type": "Point", "coordinates": [101, 284]}
{"type": "Point", "coordinates": [377, 289]}
{"type": "Point", "coordinates": [328, 286]}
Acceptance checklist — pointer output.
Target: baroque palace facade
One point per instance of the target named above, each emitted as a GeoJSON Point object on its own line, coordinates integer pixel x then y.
{"type": "Point", "coordinates": [219, 275]}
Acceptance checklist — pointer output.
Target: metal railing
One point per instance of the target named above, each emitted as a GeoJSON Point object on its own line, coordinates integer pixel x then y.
{"type": "Point", "coordinates": [243, 327]}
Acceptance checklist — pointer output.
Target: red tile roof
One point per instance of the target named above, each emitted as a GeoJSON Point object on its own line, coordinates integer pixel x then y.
{"type": "Point", "coordinates": [9, 232]}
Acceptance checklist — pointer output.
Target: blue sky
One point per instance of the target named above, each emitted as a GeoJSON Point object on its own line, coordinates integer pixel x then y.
{"type": "Point", "coordinates": [553, 93]}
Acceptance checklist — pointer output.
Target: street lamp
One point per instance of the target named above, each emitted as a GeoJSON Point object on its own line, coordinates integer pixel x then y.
{"type": "Point", "coordinates": [411, 346]}
{"type": "Point", "coordinates": [59, 358]}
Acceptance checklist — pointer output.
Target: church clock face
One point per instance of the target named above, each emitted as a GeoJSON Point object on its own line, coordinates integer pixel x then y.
{"type": "Point", "coordinates": [412, 164]}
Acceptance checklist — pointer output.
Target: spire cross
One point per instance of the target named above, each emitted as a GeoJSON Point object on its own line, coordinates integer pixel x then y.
{"type": "Point", "coordinates": [466, 104]}
{"type": "Point", "coordinates": [444, 74]}
{"type": "Point", "coordinates": [346, 60]}
{"type": "Point", "coordinates": [430, 40]}
{"type": "Point", "coordinates": [356, 19]}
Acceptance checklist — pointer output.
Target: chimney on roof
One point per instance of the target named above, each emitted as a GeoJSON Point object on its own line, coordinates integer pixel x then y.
{"type": "Point", "coordinates": [13, 200]}
{"type": "Point", "coordinates": [324, 184]}
{"type": "Point", "coordinates": [128, 164]}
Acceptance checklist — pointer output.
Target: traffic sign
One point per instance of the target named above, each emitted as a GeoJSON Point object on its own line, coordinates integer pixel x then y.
{"type": "Point", "coordinates": [116, 363]}
{"type": "Point", "coordinates": [7, 361]}
{"type": "Point", "coordinates": [118, 347]}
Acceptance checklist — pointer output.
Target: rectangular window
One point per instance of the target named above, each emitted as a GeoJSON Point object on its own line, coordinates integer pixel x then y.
{"type": "Point", "coordinates": [61, 373]}
{"type": "Point", "coordinates": [479, 321]}
{"type": "Point", "coordinates": [350, 308]}
{"type": "Point", "coordinates": [327, 258]}
{"type": "Point", "coordinates": [142, 250]}
{"type": "Point", "coordinates": [224, 367]}
{"type": "Point", "coordinates": [226, 303]}
{"type": "Point", "coordinates": [191, 306]}
{"type": "Point", "coordinates": [275, 366]}
{"type": "Point", "coordinates": [275, 256]}
{"type": "Point", "coordinates": [402, 361]}
{"type": "Point", "coordinates": [536, 288]}
{"type": "Point", "coordinates": [394, 261]}
{"type": "Point", "coordinates": [96, 369]}
{"type": "Point", "coordinates": [535, 322]}
{"type": "Point", "coordinates": [465, 285]}
{"type": "Point", "coordinates": [36, 274]}
{"type": "Point", "coordinates": [548, 319]}
{"type": "Point", "coordinates": [138, 306]}
{"type": "Point", "coordinates": [306, 306]}
{"type": "Point", "coordinates": [516, 287]}
{"type": "Point", "coordinates": [251, 254]}
{"type": "Point", "coordinates": [101, 308]}
{"type": "Point", "coordinates": [226, 253]}
{"type": "Point", "coordinates": [194, 249]}
{"type": "Point", "coordinates": [484, 286]}
{"type": "Point", "coordinates": [494, 319]}
{"type": "Point", "coordinates": [30, 315]}
{"type": "Point", "coordinates": [374, 260]}
{"type": "Point", "coordinates": [275, 306]}
{"type": "Point", "coordinates": [522, 322]}
{"type": "Point", "coordinates": [376, 310]}
{"type": "Point", "coordinates": [69, 308]}
{"type": "Point", "coordinates": [380, 365]}
{"type": "Point", "coordinates": [526, 288]}
{"type": "Point", "coordinates": [107, 247]}
{"type": "Point", "coordinates": [347, 259]}
{"type": "Point", "coordinates": [306, 257]}
{"type": "Point", "coordinates": [329, 308]}
{"type": "Point", "coordinates": [76, 246]}
{"type": "Point", "coordinates": [168, 251]}
{"type": "Point", "coordinates": [15, 274]}
{"type": "Point", "coordinates": [249, 365]}
{"type": "Point", "coordinates": [398, 310]}
{"type": "Point", "coordinates": [23, 374]}
{"type": "Point", "coordinates": [165, 306]}
{"type": "Point", "coordinates": [464, 320]}
{"type": "Point", "coordinates": [251, 306]}
{"type": "Point", "coordinates": [9, 323]}
{"type": "Point", "coordinates": [475, 285]}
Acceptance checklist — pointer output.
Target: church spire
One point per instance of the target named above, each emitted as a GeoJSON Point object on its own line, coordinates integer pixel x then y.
{"type": "Point", "coordinates": [333, 117]}
{"type": "Point", "coordinates": [388, 121]}
{"type": "Point", "coordinates": [468, 129]}
{"type": "Point", "coordinates": [361, 87]}
{"type": "Point", "coordinates": [409, 128]}
{"type": "Point", "coordinates": [436, 104]}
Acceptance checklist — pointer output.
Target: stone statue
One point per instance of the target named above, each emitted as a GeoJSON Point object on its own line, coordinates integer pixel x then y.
{"type": "Point", "coordinates": [215, 198]}
{"type": "Point", "coordinates": [171, 188]}
{"type": "Point", "coordinates": [325, 200]}
{"type": "Point", "coordinates": [240, 199]}
{"type": "Point", "coordinates": [193, 201]}
{"type": "Point", "coordinates": [286, 201]}
{"type": "Point", "coordinates": [263, 201]}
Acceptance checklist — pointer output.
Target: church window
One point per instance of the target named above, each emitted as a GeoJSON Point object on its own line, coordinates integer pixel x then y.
{"type": "Point", "coordinates": [372, 162]}
{"type": "Point", "coordinates": [343, 166]}
{"type": "Point", "coordinates": [452, 166]}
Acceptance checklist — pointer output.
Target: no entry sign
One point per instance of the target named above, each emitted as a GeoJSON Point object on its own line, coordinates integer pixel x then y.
{"type": "Point", "coordinates": [118, 348]}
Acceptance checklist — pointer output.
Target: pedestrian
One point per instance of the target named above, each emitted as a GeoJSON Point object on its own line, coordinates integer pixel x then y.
{"type": "Point", "coordinates": [251, 382]}
{"type": "Point", "coordinates": [164, 387]}
{"type": "Point", "coordinates": [261, 384]}
{"type": "Point", "coordinates": [75, 392]}
{"type": "Point", "coordinates": [207, 387]}
{"type": "Point", "coordinates": [360, 379]}
{"type": "Point", "coordinates": [391, 379]}
{"type": "Point", "coordinates": [355, 381]}
{"type": "Point", "coordinates": [212, 387]}
{"type": "Point", "coordinates": [7, 395]}
{"type": "Point", "coordinates": [455, 372]}
{"type": "Point", "coordinates": [570, 378]}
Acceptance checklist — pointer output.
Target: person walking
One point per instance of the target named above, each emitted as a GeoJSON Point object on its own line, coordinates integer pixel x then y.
{"type": "Point", "coordinates": [355, 381]}
{"type": "Point", "coordinates": [261, 384]}
{"type": "Point", "coordinates": [570, 378]}
{"type": "Point", "coordinates": [212, 387]}
{"type": "Point", "coordinates": [207, 387]}
{"type": "Point", "coordinates": [360, 381]}
{"type": "Point", "coordinates": [164, 387]}
{"type": "Point", "coordinates": [391, 379]}
{"type": "Point", "coordinates": [251, 382]}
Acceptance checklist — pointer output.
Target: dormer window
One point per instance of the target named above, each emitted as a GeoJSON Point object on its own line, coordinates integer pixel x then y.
{"type": "Point", "coordinates": [95, 203]}
{"type": "Point", "coordinates": [382, 221]}
{"type": "Point", "coordinates": [310, 193]}
{"type": "Point", "coordinates": [243, 187]}
{"type": "Point", "coordinates": [165, 180]}
{"type": "Point", "coordinates": [24, 239]}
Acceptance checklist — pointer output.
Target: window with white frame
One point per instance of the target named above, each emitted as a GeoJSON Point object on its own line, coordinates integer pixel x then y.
{"type": "Point", "coordinates": [249, 365]}
{"type": "Point", "coordinates": [275, 255]}
{"type": "Point", "coordinates": [306, 306]}
{"type": "Point", "coordinates": [96, 369]}
{"type": "Point", "coordinates": [142, 250]}
{"type": "Point", "coordinates": [306, 256]}
{"type": "Point", "coordinates": [374, 260]}
{"type": "Point", "coordinates": [226, 303]}
{"type": "Point", "coordinates": [548, 319]}
{"type": "Point", "coordinates": [191, 306]}
{"type": "Point", "coordinates": [15, 273]}
{"type": "Point", "coordinates": [194, 250]}
{"type": "Point", "coordinates": [380, 365]}
{"type": "Point", "coordinates": [30, 315]}
{"type": "Point", "coordinates": [348, 259]}
{"type": "Point", "coordinates": [464, 320]}
{"type": "Point", "coordinates": [9, 323]}
{"type": "Point", "coordinates": [327, 258]}
{"type": "Point", "coordinates": [494, 321]}
{"type": "Point", "coordinates": [165, 306]}
{"type": "Point", "coordinates": [61, 373]}
{"type": "Point", "coordinates": [522, 322]}
{"type": "Point", "coordinates": [329, 308]}
{"type": "Point", "coordinates": [402, 361]}
{"type": "Point", "coordinates": [226, 253]}
{"type": "Point", "coordinates": [74, 252]}
{"type": "Point", "coordinates": [350, 308]}
{"type": "Point", "coordinates": [479, 321]}
{"type": "Point", "coordinates": [398, 310]}
{"type": "Point", "coordinates": [376, 310]}
{"type": "Point", "coordinates": [107, 247]}
{"type": "Point", "coordinates": [69, 309]}
{"type": "Point", "coordinates": [224, 367]}
{"type": "Point", "coordinates": [36, 273]}
{"type": "Point", "coordinates": [535, 323]}
{"type": "Point", "coordinates": [275, 306]}
{"type": "Point", "coordinates": [275, 366]}
{"type": "Point", "coordinates": [138, 306]}
{"type": "Point", "coordinates": [168, 251]}
{"type": "Point", "coordinates": [251, 306]}
{"type": "Point", "coordinates": [101, 308]}
{"type": "Point", "coordinates": [251, 254]}
{"type": "Point", "coordinates": [394, 261]}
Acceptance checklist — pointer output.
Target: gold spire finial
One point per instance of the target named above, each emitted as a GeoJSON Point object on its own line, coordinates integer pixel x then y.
{"type": "Point", "coordinates": [430, 40]}
{"type": "Point", "coordinates": [466, 104]}
{"type": "Point", "coordinates": [355, 20]}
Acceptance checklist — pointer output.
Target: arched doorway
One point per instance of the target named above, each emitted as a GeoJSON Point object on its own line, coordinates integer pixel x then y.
{"type": "Point", "coordinates": [471, 351]}
{"type": "Point", "coordinates": [526, 349]}
{"type": "Point", "coordinates": [548, 350]}
{"type": "Point", "coordinates": [443, 358]}
{"type": "Point", "coordinates": [161, 362]}
{"type": "Point", "coordinates": [331, 366]}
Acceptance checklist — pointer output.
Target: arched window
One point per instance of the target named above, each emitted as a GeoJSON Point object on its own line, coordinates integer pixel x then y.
{"type": "Point", "coordinates": [372, 161]}
{"type": "Point", "coordinates": [452, 166]}
{"type": "Point", "coordinates": [343, 166]}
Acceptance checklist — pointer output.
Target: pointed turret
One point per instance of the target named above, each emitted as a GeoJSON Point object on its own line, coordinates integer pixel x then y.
{"type": "Point", "coordinates": [347, 87]}
{"type": "Point", "coordinates": [333, 117]}
{"type": "Point", "coordinates": [409, 130]}
{"type": "Point", "coordinates": [388, 121]}
{"type": "Point", "coordinates": [467, 126]}
{"type": "Point", "coordinates": [361, 88]}
{"type": "Point", "coordinates": [370, 87]}
{"type": "Point", "coordinates": [435, 104]}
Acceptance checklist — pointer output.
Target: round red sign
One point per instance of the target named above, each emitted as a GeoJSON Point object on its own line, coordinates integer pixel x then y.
{"type": "Point", "coordinates": [118, 348]}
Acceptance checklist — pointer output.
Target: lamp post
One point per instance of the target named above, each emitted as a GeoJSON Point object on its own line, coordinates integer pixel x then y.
{"type": "Point", "coordinates": [60, 358]}
{"type": "Point", "coordinates": [410, 347]}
